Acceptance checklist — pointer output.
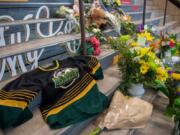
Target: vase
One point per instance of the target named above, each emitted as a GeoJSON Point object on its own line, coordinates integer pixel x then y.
{"type": "Point", "coordinates": [168, 58]}
{"type": "Point", "coordinates": [136, 90]}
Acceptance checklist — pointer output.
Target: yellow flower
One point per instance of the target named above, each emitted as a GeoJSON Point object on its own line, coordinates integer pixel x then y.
{"type": "Point", "coordinates": [144, 51]}
{"type": "Point", "coordinates": [161, 74]}
{"type": "Point", "coordinates": [141, 35]}
{"type": "Point", "coordinates": [141, 62]}
{"type": "Point", "coordinates": [118, 2]}
{"type": "Point", "coordinates": [144, 68]}
{"type": "Point", "coordinates": [134, 44]}
{"type": "Point", "coordinates": [178, 89]}
{"type": "Point", "coordinates": [160, 71]}
{"type": "Point", "coordinates": [151, 55]}
{"type": "Point", "coordinates": [148, 36]}
{"type": "Point", "coordinates": [175, 76]}
{"type": "Point", "coordinates": [161, 78]}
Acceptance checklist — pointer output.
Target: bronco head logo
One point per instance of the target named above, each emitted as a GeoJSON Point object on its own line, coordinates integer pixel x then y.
{"type": "Point", "coordinates": [64, 78]}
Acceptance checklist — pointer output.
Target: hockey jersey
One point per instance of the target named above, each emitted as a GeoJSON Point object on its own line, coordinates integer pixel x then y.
{"type": "Point", "coordinates": [69, 93]}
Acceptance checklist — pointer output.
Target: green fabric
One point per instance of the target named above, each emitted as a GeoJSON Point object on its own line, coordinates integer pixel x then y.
{"type": "Point", "coordinates": [91, 104]}
{"type": "Point", "coordinates": [23, 117]}
{"type": "Point", "coordinates": [11, 116]}
{"type": "Point", "coordinates": [99, 74]}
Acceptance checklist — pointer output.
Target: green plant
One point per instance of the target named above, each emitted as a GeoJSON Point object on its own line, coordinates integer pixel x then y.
{"type": "Point", "coordinates": [173, 109]}
{"type": "Point", "coordinates": [138, 64]}
{"type": "Point", "coordinates": [128, 28]}
{"type": "Point", "coordinates": [96, 32]}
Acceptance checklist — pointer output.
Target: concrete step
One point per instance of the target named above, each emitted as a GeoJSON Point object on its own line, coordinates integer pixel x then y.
{"type": "Point", "coordinates": [156, 13]}
{"type": "Point", "coordinates": [157, 125]}
{"type": "Point", "coordinates": [141, 2]}
{"type": "Point", "coordinates": [169, 26]}
{"type": "Point", "coordinates": [138, 15]}
{"type": "Point", "coordinates": [128, 8]}
{"type": "Point", "coordinates": [176, 31]}
{"type": "Point", "coordinates": [149, 96]}
{"type": "Point", "coordinates": [151, 7]}
{"type": "Point", "coordinates": [152, 21]}
{"type": "Point", "coordinates": [33, 21]}
{"type": "Point", "coordinates": [132, 8]}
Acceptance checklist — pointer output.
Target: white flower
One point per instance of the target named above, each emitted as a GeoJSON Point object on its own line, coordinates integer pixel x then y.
{"type": "Point", "coordinates": [145, 27]}
{"type": "Point", "coordinates": [96, 30]}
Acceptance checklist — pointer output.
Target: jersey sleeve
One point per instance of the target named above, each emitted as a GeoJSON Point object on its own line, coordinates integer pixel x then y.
{"type": "Point", "coordinates": [15, 98]}
{"type": "Point", "coordinates": [91, 65]}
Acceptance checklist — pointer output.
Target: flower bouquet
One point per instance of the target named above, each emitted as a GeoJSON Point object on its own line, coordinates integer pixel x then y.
{"type": "Point", "coordinates": [92, 46]}
{"type": "Point", "coordinates": [138, 64]}
{"type": "Point", "coordinates": [96, 32]}
{"type": "Point", "coordinates": [168, 44]}
{"type": "Point", "coordinates": [173, 109]}
{"type": "Point", "coordinates": [95, 44]}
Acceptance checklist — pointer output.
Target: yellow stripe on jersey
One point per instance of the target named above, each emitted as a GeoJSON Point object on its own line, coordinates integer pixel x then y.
{"type": "Point", "coordinates": [96, 68]}
{"type": "Point", "coordinates": [82, 94]}
{"type": "Point", "coordinates": [13, 103]}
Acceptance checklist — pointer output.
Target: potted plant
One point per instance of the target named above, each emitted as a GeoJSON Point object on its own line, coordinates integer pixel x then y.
{"type": "Point", "coordinates": [168, 45]}
{"type": "Point", "coordinates": [139, 65]}
{"type": "Point", "coordinates": [173, 109]}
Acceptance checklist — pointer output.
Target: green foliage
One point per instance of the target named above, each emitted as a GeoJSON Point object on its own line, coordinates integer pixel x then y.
{"type": "Point", "coordinates": [88, 1]}
{"type": "Point", "coordinates": [95, 131]}
{"type": "Point", "coordinates": [173, 109]}
{"type": "Point", "coordinates": [96, 32]}
{"type": "Point", "coordinates": [128, 28]}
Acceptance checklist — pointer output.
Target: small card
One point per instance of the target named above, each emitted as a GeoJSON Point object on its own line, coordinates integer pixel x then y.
{"type": "Point", "coordinates": [141, 41]}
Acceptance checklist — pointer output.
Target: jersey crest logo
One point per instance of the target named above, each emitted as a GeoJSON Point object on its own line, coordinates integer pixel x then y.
{"type": "Point", "coordinates": [64, 78]}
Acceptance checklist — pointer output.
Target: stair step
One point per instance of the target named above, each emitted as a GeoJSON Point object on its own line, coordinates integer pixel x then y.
{"type": "Point", "coordinates": [168, 26]}
{"type": "Point", "coordinates": [105, 58]}
{"type": "Point", "coordinates": [155, 20]}
{"type": "Point", "coordinates": [33, 21]}
{"type": "Point", "coordinates": [36, 44]}
{"type": "Point", "coordinates": [150, 7]}
{"type": "Point", "coordinates": [14, 49]}
{"type": "Point", "coordinates": [141, 2]}
{"type": "Point", "coordinates": [33, 4]}
{"type": "Point", "coordinates": [132, 13]}
{"type": "Point", "coordinates": [132, 8]}
{"type": "Point", "coordinates": [176, 31]}
{"type": "Point", "coordinates": [36, 126]}
{"type": "Point", "coordinates": [149, 96]}
{"type": "Point", "coordinates": [138, 15]}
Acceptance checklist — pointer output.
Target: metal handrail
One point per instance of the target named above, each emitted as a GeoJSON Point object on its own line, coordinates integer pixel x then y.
{"type": "Point", "coordinates": [176, 3]}
{"type": "Point", "coordinates": [165, 12]}
{"type": "Point", "coordinates": [144, 13]}
{"type": "Point", "coordinates": [82, 27]}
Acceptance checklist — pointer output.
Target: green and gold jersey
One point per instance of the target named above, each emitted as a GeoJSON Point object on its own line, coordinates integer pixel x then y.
{"type": "Point", "coordinates": [68, 89]}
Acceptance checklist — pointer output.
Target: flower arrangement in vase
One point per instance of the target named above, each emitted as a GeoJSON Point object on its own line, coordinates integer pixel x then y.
{"type": "Point", "coordinates": [168, 44]}
{"type": "Point", "coordinates": [139, 65]}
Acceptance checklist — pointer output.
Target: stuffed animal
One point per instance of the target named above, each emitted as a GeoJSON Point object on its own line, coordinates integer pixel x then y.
{"type": "Point", "coordinates": [97, 16]}
{"type": "Point", "coordinates": [76, 8]}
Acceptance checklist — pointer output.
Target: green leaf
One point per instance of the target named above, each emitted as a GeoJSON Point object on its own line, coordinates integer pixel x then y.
{"type": "Point", "coordinates": [177, 102]}
{"type": "Point", "coordinates": [95, 131]}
